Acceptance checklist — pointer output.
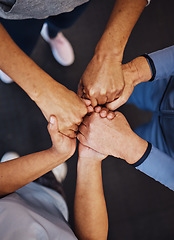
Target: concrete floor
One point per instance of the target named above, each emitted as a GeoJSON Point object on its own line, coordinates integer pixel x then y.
{"type": "Point", "coordinates": [138, 207]}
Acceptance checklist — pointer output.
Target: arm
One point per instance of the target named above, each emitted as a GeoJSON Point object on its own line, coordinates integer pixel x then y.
{"type": "Point", "coordinates": [16, 173]}
{"type": "Point", "coordinates": [141, 69]}
{"type": "Point", "coordinates": [103, 80]}
{"type": "Point", "coordinates": [51, 97]}
{"type": "Point", "coordinates": [118, 139]}
{"type": "Point", "coordinates": [91, 220]}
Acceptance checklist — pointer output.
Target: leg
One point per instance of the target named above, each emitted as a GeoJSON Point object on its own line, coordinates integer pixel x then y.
{"type": "Point", "coordinates": [147, 96]}
{"type": "Point", "coordinates": [64, 20]}
{"type": "Point", "coordinates": [160, 130]}
{"type": "Point", "coordinates": [24, 32]}
{"type": "Point", "coordinates": [152, 132]}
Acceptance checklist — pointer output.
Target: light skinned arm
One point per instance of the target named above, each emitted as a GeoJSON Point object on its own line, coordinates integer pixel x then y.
{"type": "Point", "coordinates": [50, 96]}
{"type": "Point", "coordinates": [103, 79]}
{"type": "Point", "coordinates": [91, 220]}
{"type": "Point", "coordinates": [16, 173]}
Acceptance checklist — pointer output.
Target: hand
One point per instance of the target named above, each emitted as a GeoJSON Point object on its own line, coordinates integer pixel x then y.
{"type": "Point", "coordinates": [102, 80]}
{"type": "Point", "coordinates": [105, 112]}
{"type": "Point", "coordinates": [67, 107]}
{"type": "Point", "coordinates": [62, 145]}
{"type": "Point", "coordinates": [89, 154]}
{"type": "Point", "coordinates": [111, 137]}
{"type": "Point", "coordinates": [134, 72]}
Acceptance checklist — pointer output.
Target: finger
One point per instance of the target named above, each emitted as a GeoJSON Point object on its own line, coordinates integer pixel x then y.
{"type": "Point", "coordinates": [115, 104]}
{"type": "Point", "coordinates": [81, 138]}
{"type": "Point", "coordinates": [122, 99]}
{"type": "Point", "coordinates": [86, 120]}
{"type": "Point", "coordinates": [111, 115]}
{"type": "Point", "coordinates": [53, 123]}
{"type": "Point", "coordinates": [87, 102]}
{"type": "Point", "coordinates": [74, 128]}
{"type": "Point", "coordinates": [94, 102]}
{"type": "Point", "coordinates": [69, 133]}
{"type": "Point", "coordinates": [90, 109]}
{"type": "Point", "coordinates": [83, 129]}
{"type": "Point", "coordinates": [53, 130]}
{"type": "Point", "coordinates": [104, 112]}
{"type": "Point", "coordinates": [98, 109]}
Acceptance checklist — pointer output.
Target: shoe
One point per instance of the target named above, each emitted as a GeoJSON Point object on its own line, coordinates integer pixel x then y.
{"type": "Point", "coordinates": [60, 172]}
{"type": "Point", "coordinates": [60, 46]}
{"type": "Point", "coordinates": [9, 156]}
{"type": "Point", "coordinates": [5, 78]}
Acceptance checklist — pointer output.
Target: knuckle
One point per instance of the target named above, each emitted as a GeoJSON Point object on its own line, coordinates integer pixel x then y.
{"type": "Point", "coordinates": [91, 92]}
{"type": "Point", "coordinates": [103, 92]}
{"type": "Point", "coordinates": [69, 125]}
{"type": "Point", "coordinates": [119, 114]}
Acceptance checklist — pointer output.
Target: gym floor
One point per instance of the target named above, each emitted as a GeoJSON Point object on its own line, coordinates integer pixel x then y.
{"type": "Point", "coordinates": [138, 206]}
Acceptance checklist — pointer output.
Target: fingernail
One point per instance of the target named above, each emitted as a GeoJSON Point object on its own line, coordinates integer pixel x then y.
{"type": "Point", "coordinates": [51, 120]}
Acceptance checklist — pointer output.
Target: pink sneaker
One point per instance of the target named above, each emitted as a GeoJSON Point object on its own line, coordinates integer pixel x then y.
{"type": "Point", "coordinates": [5, 78]}
{"type": "Point", "coordinates": [60, 46]}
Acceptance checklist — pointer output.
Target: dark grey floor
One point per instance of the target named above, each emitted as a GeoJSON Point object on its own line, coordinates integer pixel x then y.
{"type": "Point", "coordinates": [138, 207]}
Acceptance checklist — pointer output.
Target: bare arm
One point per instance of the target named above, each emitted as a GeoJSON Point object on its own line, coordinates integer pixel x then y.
{"type": "Point", "coordinates": [16, 173]}
{"type": "Point", "coordinates": [91, 220]}
{"type": "Point", "coordinates": [51, 97]}
{"type": "Point", "coordinates": [103, 80]}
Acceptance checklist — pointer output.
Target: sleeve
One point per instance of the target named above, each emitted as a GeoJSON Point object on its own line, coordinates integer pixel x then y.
{"type": "Point", "coordinates": [159, 166]}
{"type": "Point", "coordinates": [163, 61]}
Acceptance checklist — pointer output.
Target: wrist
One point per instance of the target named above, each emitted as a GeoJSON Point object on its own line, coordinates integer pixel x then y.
{"type": "Point", "coordinates": [41, 87]}
{"type": "Point", "coordinates": [87, 163]}
{"type": "Point", "coordinates": [107, 47]}
{"type": "Point", "coordinates": [143, 70]}
{"type": "Point", "coordinates": [56, 157]}
{"type": "Point", "coordinates": [135, 150]}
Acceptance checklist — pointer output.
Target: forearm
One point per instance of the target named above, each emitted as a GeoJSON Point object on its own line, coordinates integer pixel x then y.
{"type": "Point", "coordinates": [119, 27]}
{"type": "Point", "coordinates": [16, 64]}
{"type": "Point", "coordinates": [16, 173]}
{"type": "Point", "coordinates": [91, 220]}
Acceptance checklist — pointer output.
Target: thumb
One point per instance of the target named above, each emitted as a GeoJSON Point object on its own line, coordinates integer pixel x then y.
{"type": "Point", "coordinates": [53, 130]}
{"type": "Point", "coordinates": [53, 123]}
{"type": "Point", "coordinates": [115, 104]}
{"type": "Point", "coordinates": [128, 89]}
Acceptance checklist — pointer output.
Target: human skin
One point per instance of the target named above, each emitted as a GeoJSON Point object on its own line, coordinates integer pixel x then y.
{"type": "Point", "coordinates": [112, 137]}
{"type": "Point", "coordinates": [103, 79]}
{"type": "Point", "coordinates": [16, 173]}
{"type": "Point", "coordinates": [50, 96]}
{"type": "Point", "coordinates": [91, 219]}
{"type": "Point", "coordinates": [134, 72]}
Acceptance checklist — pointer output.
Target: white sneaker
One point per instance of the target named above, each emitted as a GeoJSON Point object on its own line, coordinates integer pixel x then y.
{"type": "Point", "coordinates": [5, 78]}
{"type": "Point", "coordinates": [9, 156]}
{"type": "Point", "coordinates": [60, 46]}
{"type": "Point", "coordinates": [60, 172]}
